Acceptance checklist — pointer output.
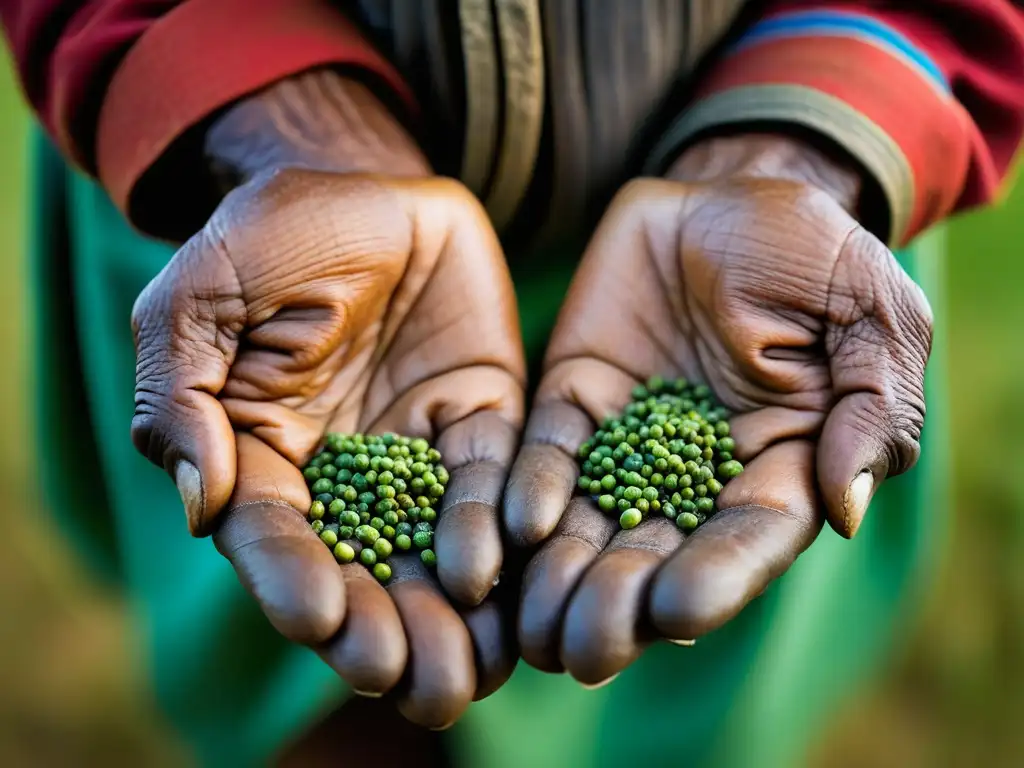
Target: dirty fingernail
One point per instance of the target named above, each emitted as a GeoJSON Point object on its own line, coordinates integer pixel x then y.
{"type": "Point", "coordinates": [856, 501]}
{"type": "Point", "coordinates": [601, 684]}
{"type": "Point", "coordinates": [685, 643]}
{"type": "Point", "coordinates": [367, 694]}
{"type": "Point", "coordinates": [190, 486]}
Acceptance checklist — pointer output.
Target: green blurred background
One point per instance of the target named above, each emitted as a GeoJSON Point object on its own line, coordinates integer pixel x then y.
{"type": "Point", "coordinates": [952, 694]}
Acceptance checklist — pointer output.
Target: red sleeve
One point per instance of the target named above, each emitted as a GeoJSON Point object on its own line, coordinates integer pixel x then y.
{"type": "Point", "coordinates": [115, 82]}
{"type": "Point", "coordinates": [929, 96]}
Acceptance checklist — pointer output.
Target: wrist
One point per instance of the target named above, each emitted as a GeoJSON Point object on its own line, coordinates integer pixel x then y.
{"type": "Point", "coordinates": [319, 120]}
{"type": "Point", "coordinates": [771, 156]}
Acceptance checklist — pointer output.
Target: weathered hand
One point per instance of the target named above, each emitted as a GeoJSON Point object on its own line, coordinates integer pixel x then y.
{"type": "Point", "coordinates": [315, 302]}
{"type": "Point", "coordinates": [750, 277]}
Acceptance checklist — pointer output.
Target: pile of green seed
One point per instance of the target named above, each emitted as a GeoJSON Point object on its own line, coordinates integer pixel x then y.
{"type": "Point", "coordinates": [669, 452]}
{"type": "Point", "coordinates": [373, 495]}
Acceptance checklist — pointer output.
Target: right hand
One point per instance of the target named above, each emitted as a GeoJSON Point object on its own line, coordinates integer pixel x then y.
{"type": "Point", "coordinates": [314, 302]}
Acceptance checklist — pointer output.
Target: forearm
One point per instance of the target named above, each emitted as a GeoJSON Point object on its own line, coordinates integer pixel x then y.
{"type": "Point", "coordinates": [900, 88]}
{"type": "Point", "coordinates": [321, 120]}
{"type": "Point", "coordinates": [771, 156]}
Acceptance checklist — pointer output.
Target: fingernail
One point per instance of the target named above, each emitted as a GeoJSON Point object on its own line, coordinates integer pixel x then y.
{"type": "Point", "coordinates": [601, 684]}
{"type": "Point", "coordinates": [855, 503]}
{"type": "Point", "coordinates": [442, 727]}
{"type": "Point", "coordinates": [686, 643]}
{"type": "Point", "coordinates": [368, 694]}
{"type": "Point", "coordinates": [190, 486]}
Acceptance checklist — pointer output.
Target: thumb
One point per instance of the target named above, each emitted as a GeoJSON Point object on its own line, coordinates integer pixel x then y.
{"type": "Point", "coordinates": [878, 342]}
{"type": "Point", "coordinates": [186, 325]}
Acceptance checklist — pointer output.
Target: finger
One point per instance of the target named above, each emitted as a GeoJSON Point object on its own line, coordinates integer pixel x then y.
{"type": "Point", "coordinates": [184, 347]}
{"type": "Point", "coordinates": [493, 647]}
{"type": "Point", "coordinates": [370, 651]}
{"type": "Point", "coordinates": [441, 676]}
{"type": "Point", "coordinates": [552, 575]}
{"type": "Point", "coordinates": [545, 472]}
{"type": "Point", "coordinates": [603, 623]}
{"type": "Point", "coordinates": [755, 431]}
{"type": "Point", "coordinates": [769, 515]}
{"type": "Point", "coordinates": [878, 343]}
{"type": "Point", "coordinates": [477, 438]}
{"type": "Point", "coordinates": [468, 544]}
{"type": "Point", "coordinates": [279, 560]}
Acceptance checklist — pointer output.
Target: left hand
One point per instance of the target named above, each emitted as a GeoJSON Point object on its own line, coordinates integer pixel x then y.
{"type": "Point", "coordinates": [745, 270]}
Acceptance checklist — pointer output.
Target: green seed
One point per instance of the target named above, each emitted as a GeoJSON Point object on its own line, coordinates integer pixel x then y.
{"type": "Point", "coordinates": [650, 493]}
{"type": "Point", "coordinates": [428, 558]}
{"type": "Point", "coordinates": [368, 557]}
{"type": "Point", "coordinates": [630, 518]}
{"type": "Point", "coordinates": [323, 485]}
{"type": "Point", "coordinates": [705, 505]}
{"type": "Point", "coordinates": [344, 553]}
{"type": "Point", "coordinates": [361, 462]}
{"type": "Point", "coordinates": [316, 510]}
{"type": "Point", "coordinates": [714, 487]}
{"type": "Point", "coordinates": [312, 474]}
{"type": "Point", "coordinates": [622, 505]}
{"type": "Point", "coordinates": [428, 515]}
{"type": "Point", "coordinates": [336, 507]}
{"type": "Point", "coordinates": [423, 539]}
{"type": "Point", "coordinates": [730, 469]}
{"type": "Point", "coordinates": [687, 521]}
{"type": "Point", "coordinates": [669, 511]}
{"type": "Point", "coordinates": [367, 535]}
{"type": "Point", "coordinates": [632, 493]}
{"type": "Point", "coordinates": [403, 542]}
{"type": "Point", "coordinates": [608, 483]}
{"type": "Point", "coordinates": [346, 532]}
{"type": "Point", "coordinates": [329, 537]}
{"type": "Point", "coordinates": [606, 503]}
{"type": "Point", "coordinates": [436, 491]}
{"type": "Point", "coordinates": [383, 548]}
{"type": "Point", "coordinates": [403, 529]}
{"type": "Point", "coordinates": [643, 505]}
{"type": "Point", "coordinates": [388, 532]}
{"type": "Point", "coordinates": [382, 572]}
{"type": "Point", "coordinates": [700, 490]}
{"type": "Point", "coordinates": [329, 471]}
{"type": "Point", "coordinates": [317, 526]}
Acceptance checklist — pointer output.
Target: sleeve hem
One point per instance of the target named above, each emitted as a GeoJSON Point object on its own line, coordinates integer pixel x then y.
{"type": "Point", "coordinates": [205, 54]}
{"type": "Point", "coordinates": [808, 108]}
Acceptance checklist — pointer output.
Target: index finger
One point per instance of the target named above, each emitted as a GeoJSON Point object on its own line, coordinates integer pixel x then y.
{"type": "Point", "coordinates": [769, 515]}
{"type": "Point", "coordinates": [277, 556]}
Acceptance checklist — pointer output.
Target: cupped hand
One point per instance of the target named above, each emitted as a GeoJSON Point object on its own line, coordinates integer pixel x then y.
{"type": "Point", "coordinates": [759, 283]}
{"type": "Point", "coordinates": [318, 302]}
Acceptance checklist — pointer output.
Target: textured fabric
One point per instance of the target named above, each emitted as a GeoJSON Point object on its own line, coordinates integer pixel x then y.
{"type": "Point", "coordinates": [519, 33]}
{"type": "Point", "coordinates": [116, 81]}
{"type": "Point", "coordinates": [754, 693]}
{"type": "Point", "coordinates": [905, 88]}
{"type": "Point", "coordinates": [870, 74]}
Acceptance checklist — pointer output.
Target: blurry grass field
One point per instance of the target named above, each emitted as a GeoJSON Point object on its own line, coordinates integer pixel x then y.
{"type": "Point", "coordinates": [70, 690]}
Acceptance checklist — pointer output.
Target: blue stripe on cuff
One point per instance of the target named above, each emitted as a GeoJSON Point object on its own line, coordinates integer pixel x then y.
{"type": "Point", "coordinates": [839, 23]}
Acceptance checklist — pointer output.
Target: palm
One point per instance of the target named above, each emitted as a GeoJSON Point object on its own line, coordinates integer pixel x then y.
{"type": "Point", "coordinates": [395, 313]}
{"type": "Point", "coordinates": [755, 290]}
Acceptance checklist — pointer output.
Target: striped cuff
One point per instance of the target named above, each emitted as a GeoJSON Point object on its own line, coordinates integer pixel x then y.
{"type": "Point", "coordinates": [856, 80]}
{"type": "Point", "coordinates": [205, 54]}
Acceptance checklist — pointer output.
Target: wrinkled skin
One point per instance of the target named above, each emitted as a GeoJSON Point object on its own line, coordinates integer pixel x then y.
{"type": "Point", "coordinates": [315, 302]}
{"type": "Point", "coordinates": [800, 320]}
